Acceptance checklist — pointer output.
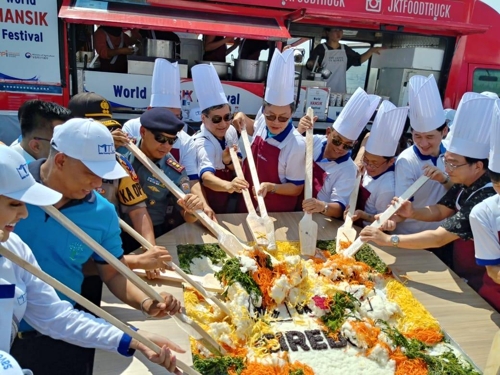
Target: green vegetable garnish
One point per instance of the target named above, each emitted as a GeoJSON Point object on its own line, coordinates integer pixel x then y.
{"type": "Point", "coordinates": [218, 365]}
{"type": "Point", "coordinates": [231, 273]}
{"type": "Point", "coordinates": [188, 252]}
{"type": "Point", "coordinates": [340, 307]}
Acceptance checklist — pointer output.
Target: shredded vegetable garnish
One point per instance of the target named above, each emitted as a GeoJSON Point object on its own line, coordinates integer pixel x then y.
{"type": "Point", "coordinates": [188, 252]}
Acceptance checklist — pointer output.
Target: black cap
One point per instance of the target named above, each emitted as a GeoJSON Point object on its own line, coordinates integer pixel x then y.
{"type": "Point", "coordinates": [92, 105]}
{"type": "Point", "coordinates": [162, 120]}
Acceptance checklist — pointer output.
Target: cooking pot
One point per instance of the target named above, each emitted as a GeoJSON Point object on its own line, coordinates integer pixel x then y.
{"type": "Point", "coordinates": [325, 73]}
{"type": "Point", "coordinates": [250, 70]}
{"type": "Point", "coordinates": [221, 68]}
{"type": "Point", "coordinates": [159, 48]}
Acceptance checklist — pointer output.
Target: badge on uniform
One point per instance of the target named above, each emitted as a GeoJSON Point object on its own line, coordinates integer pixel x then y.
{"type": "Point", "coordinates": [128, 167]}
{"type": "Point", "coordinates": [152, 202]}
{"type": "Point", "coordinates": [153, 188]}
{"type": "Point", "coordinates": [175, 165]}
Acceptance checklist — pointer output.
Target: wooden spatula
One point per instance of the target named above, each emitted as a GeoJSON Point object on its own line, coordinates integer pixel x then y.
{"type": "Point", "coordinates": [268, 222]}
{"type": "Point", "coordinates": [209, 282]}
{"type": "Point", "coordinates": [347, 233]}
{"type": "Point", "coordinates": [308, 228]}
{"type": "Point", "coordinates": [493, 363]}
{"type": "Point", "coordinates": [387, 214]}
{"type": "Point", "coordinates": [255, 222]}
{"type": "Point", "coordinates": [57, 285]}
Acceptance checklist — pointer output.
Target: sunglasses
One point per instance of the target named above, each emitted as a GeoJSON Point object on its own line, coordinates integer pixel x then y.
{"type": "Point", "coordinates": [218, 119]}
{"type": "Point", "coordinates": [160, 138]}
{"type": "Point", "coordinates": [338, 142]}
{"type": "Point", "coordinates": [273, 118]}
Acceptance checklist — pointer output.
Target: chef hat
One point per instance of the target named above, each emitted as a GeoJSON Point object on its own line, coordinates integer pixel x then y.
{"type": "Point", "coordinates": [494, 162]}
{"type": "Point", "coordinates": [426, 109]}
{"type": "Point", "coordinates": [207, 86]}
{"type": "Point", "coordinates": [166, 85]}
{"type": "Point", "coordinates": [471, 128]}
{"type": "Point", "coordinates": [281, 79]}
{"type": "Point", "coordinates": [386, 129]}
{"type": "Point", "coordinates": [356, 113]}
{"type": "Point", "coordinates": [490, 94]}
{"type": "Point", "coordinates": [9, 365]}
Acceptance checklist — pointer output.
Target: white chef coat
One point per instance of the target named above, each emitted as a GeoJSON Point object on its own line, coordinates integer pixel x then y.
{"type": "Point", "coordinates": [341, 174]}
{"type": "Point", "coordinates": [409, 167]}
{"type": "Point", "coordinates": [485, 223]}
{"type": "Point", "coordinates": [184, 143]}
{"type": "Point", "coordinates": [292, 157]}
{"type": "Point", "coordinates": [17, 147]}
{"type": "Point", "coordinates": [209, 149]}
{"type": "Point", "coordinates": [38, 303]}
{"type": "Point", "coordinates": [382, 190]}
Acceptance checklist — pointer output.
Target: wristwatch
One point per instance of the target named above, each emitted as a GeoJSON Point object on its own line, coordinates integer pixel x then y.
{"type": "Point", "coordinates": [325, 209]}
{"type": "Point", "coordinates": [395, 240]}
{"type": "Point", "coordinates": [446, 180]}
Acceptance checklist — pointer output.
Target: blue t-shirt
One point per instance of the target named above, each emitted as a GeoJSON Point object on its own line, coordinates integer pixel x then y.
{"type": "Point", "coordinates": [60, 253]}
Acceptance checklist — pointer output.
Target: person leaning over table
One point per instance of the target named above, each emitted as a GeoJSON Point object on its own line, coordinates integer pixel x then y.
{"type": "Point", "coordinates": [278, 149]}
{"type": "Point", "coordinates": [159, 129]}
{"type": "Point", "coordinates": [466, 163]}
{"type": "Point", "coordinates": [485, 217]}
{"type": "Point", "coordinates": [82, 155]}
{"type": "Point", "coordinates": [24, 296]}
{"type": "Point", "coordinates": [113, 46]}
{"type": "Point", "coordinates": [334, 171]}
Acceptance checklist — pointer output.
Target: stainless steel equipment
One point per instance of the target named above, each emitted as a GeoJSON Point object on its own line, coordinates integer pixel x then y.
{"type": "Point", "coordinates": [159, 48]}
{"type": "Point", "coordinates": [191, 50]}
{"type": "Point", "coordinates": [221, 68]}
{"type": "Point", "coordinates": [144, 65]}
{"type": "Point", "coordinates": [249, 70]}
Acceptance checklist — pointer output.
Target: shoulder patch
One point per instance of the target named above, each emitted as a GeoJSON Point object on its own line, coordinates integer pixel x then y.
{"type": "Point", "coordinates": [174, 165]}
{"type": "Point", "coordinates": [127, 166]}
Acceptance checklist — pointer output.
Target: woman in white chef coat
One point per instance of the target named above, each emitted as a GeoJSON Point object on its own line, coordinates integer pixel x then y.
{"type": "Point", "coordinates": [23, 296]}
{"type": "Point", "coordinates": [337, 58]}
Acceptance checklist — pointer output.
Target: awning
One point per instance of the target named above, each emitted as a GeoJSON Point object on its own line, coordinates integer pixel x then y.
{"type": "Point", "coordinates": [166, 18]}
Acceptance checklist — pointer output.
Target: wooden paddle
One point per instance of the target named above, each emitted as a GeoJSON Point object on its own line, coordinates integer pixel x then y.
{"type": "Point", "coordinates": [347, 233]}
{"type": "Point", "coordinates": [145, 243]}
{"type": "Point", "coordinates": [88, 305]}
{"type": "Point", "coordinates": [208, 281]}
{"type": "Point", "coordinates": [387, 214]}
{"type": "Point", "coordinates": [255, 222]}
{"type": "Point", "coordinates": [308, 228]}
{"type": "Point", "coordinates": [192, 328]}
{"type": "Point", "coordinates": [227, 241]}
{"type": "Point", "coordinates": [493, 363]}
{"type": "Point", "coordinates": [256, 183]}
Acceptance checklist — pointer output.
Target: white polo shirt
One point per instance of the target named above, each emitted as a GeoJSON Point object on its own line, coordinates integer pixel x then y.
{"type": "Point", "coordinates": [485, 223]}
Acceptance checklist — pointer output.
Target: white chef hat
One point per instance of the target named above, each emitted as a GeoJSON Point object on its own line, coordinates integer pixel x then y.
{"type": "Point", "coordinates": [426, 109]}
{"type": "Point", "coordinates": [471, 127]}
{"type": "Point", "coordinates": [356, 113]}
{"type": "Point", "coordinates": [490, 94]}
{"type": "Point", "coordinates": [166, 85]}
{"type": "Point", "coordinates": [386, 129]}
{"type": "Point", "coordinates": [281, 79]}
{"type": "Point", "coordinates": [494, 162]}
{"type": "Point", "coordinates": [207, 86]}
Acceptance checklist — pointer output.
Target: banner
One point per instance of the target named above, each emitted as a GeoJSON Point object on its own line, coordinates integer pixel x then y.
{"type": "Point", "coordinates": [29, 43]}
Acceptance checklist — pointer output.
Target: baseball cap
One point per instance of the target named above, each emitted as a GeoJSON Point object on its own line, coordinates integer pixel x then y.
{"type": "Point", "coordinates": [160, 119]}
{"type": "Point", "coordinates": [91, 143]}
{"type": "Point", "coordinates": [9, 365]}
{"type": "Point", "coordinates": [16, 181]}
{"type": "Point", "coordinates": [92, 105]}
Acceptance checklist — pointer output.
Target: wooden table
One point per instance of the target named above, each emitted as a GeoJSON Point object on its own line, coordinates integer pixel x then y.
{"type": "Point", "coordinates": [464, 316]}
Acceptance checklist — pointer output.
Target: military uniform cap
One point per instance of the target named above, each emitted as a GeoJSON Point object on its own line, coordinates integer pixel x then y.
{"type": "Point", "coordinates": [161, 120]}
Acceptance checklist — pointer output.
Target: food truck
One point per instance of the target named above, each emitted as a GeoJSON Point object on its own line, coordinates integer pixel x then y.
{"type": "Point", "coordinates": [44, 53]}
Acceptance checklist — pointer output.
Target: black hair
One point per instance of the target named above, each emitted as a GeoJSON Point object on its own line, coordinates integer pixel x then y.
{"type": "Point", "coordinates": [471, 161]}
{"type": "Point", "coordinates": [266, 104]}
{"type": "Point", "coordinates": [214, 108]}
{"type": "Point", "coordinates": [494, 176]}
{"type": "Point", "coordinates": [39, 114]}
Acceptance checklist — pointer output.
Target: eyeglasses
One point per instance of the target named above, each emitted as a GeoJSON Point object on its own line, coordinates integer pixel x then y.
{"type": "Point", "coordinates": [160, 138]}
{"type": "Point", "coordinates": [371, 165]}
{"type": "Point", "coordinates": [216, 119]}
{"type": "Point", "coordinates": [273, 118]}
{"type": "Point", "coordinates": [41, 139]}
{"type": "Point", "coordinates": [450, 166]}
{"type": "Point", "coordinates": [338, 142]}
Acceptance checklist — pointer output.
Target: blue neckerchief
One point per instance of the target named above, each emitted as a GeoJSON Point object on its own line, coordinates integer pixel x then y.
{"type": "Point", "coordinates": [222, 142]}
{"type": "Point", "coordinates": [281, 136]}
{"type": "Point", "coordinates": [390, 169]}
{"type": "Point", "coordinates": [434, 159]}
{"type": "Point", "coordinates": [342, 159]}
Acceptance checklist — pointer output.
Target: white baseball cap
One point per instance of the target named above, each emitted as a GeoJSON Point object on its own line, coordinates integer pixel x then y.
{"type": "Point", "coordinates": [90, 142]}
{"type": "Point", "coordinates": [9, 366]}
{"type": "Point", "coordinates": [16, 181]}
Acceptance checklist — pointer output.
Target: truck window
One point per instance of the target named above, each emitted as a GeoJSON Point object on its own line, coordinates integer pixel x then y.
{"type": "Point", "coordinates": [356, 75]}
{"type": "Point", "coordinates": [486, 80]}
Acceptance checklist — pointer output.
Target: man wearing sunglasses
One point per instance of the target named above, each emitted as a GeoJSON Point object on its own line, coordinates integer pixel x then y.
{"type": "Point", "coordinates": [334, 171]}
{"type": "Point", "coordinates": [212, 142]}
{"type": "Point", "coordinates": [38, 119]}
{"type": "Point", "coordinates": [159, 128]}
{"type": "Point", "coordinates": [466, 163]}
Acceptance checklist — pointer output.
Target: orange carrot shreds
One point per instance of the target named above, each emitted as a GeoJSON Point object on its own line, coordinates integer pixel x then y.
{"type": "Point", "coordinates": [340, 268]}
{"type": "Point", "coordinates": [366, 333]}
{"type": "Point", "coordinates": [235, 352]}
{"type": "Point", "coordinates": [427, 336]}
{"type": "Point", "coordinates": [412, 367]}
{"type": "Point", "coordinates": [255, 368]}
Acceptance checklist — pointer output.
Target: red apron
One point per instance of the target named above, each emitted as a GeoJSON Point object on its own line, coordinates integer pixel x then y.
{"type": "Point", "coordinates": [218, 200]}
{"type": "Point", "coordinates": [363, 196]}
{"type": "Point", "coordinates": [266, 159]}
{"type": "Point", "coordinates": [319, 178]}
{"type": "Point", "coordinates": [176, 153]}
